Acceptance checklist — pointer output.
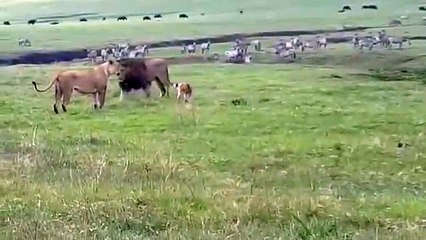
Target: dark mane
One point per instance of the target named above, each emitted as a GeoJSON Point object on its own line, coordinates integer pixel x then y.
{"type": "Point", "coordinates": [135, 76]}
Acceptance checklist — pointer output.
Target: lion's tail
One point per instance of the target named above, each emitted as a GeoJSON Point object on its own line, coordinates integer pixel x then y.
{"type": "Point", "coordinates": [83, 91]}
{"type": "Point", "coordinates": [47, 88]}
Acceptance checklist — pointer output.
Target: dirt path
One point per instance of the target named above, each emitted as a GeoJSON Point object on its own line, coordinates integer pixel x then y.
{"type": "Point", "coordinates": [47, 57]}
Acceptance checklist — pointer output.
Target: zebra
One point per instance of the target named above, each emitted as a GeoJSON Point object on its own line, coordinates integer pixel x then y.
{"type": "Point", "coordinates": [291, 54]}
{"type": "Point", "coordinates": [191, 48]}
{"type": "Point", "coordinates": [205, 47]}
{"type": "Point", "coordinates": [257, 45]}
{"type": "Point", "coordinates": [399, 41]}
{"type": "Point", "coordinates": [368, 42]}
{"type": "Point", "coordinates": [237, 56]}
{"type": "Point", "coordinates": [92, 55]}
{"type": "Point", "coordinates": [322, 42]}
{"type": "Point", "coordinates": [297, 44]}
{"type": "Point", "coordinates": [24, 42]}
{"type": "Point", "coordinates": [104, 54]}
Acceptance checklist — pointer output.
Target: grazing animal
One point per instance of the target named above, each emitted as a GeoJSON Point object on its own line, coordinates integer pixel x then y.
{"type": "Point", "coordinates": [257, 45]}
{"type": "Point", "coordinates": [399, 41]}
{"type": "Point", "coordinates": [183, 15]}
{"type": "Point", "coordinates": [322, 42]}
{"type": "Point", "coordinates": [146, 18]}
{"type": "Point", "coordinates": [346, 8]}
{"type": "Point", "coordinates": [83, 20]}
{"type": "Point", "coordinates": [138, 74]}
{"type": "Point", "coordinates": [54, 23]}
{"type": "Point", "coordinates": [92, 54]}
{"type": "Point", "coordinates": [24, 42]}
{"type": "Point", "coordinates": [104, 54]}
{"type": "Point", "coordinates": [32, 21]}
{"type": "Point", "coordinates": [367, 42]}
{"type": "Point", "coordinates": [341, 11]}
{"type": "Point", "coordinates": [191, 48]}
{"type": "Point", "coordinates": [184, 91]}
{"type": "Point", "coordinates": [422, 8]}
{"type": "Point", "coordinates": [205, 47]}
{"type": "Point", "coordinates": [355, 40]}
{"type": "Point", "coordinates": [104, 18]}
{"type": "Point", "coordinates": [89, 81]}
{"type": "Point", "coordinates": [374, 7]}
{"type": "Point", "coordinates": [122, 18]}
{"type": "Point", "coordinates": [395, 22]}
{"type": "Point", "coordinates": [241, 11]}
{"type": "Point", "coordinates": [158, 16]}
{"type": "Point", "coordinates": [6, 23]}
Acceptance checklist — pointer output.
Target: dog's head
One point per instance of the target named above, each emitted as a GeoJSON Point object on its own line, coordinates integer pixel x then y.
{"type": "Point", "coordinates": [175, 85]}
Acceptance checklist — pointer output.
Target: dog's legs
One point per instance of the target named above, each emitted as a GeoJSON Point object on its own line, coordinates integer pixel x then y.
{"type": "Point", "coordinates": [147, 91]}
{"type": "Point", "coordinates": [121, 95]}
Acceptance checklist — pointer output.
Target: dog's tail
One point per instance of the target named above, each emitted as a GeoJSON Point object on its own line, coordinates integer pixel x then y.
{"type": "Point", "coordinates": [83, 91]}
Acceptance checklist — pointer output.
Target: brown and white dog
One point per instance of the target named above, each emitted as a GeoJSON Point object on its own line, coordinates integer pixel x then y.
{"type": "Point", "coordinates": [184, 91]}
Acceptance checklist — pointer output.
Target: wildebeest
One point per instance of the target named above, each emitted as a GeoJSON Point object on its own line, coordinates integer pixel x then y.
{"type": "Point", "coordinates": [88, 81]}
{"type": "Point", "coordinates": [183, 15]}
{"type": "Point", "coordinates": [32, 21]}
{"type": "Point", "coordinates": [205, 47]}
{"type": "Point", "coordinates": [241, 11]}
{"type": "Point", "coordinates": [104, 18]}
{"type": "Point", "coordinates": [24, 42]}
{"type": "Point", "coordinates": [137, 74]}
{"type": "Point", "coordinates": [422, 8]}
{"type": "Point", "coordinates": [346, 7]}
{"type": "Point", "coordinates": [395, 22]}
{"type": "Point", "coordinates": [122, 18]}
{"type": "Point", "coordinates": [54, 23]}
{"type": "Point", "coordinates": [341, 11]}
{"type": "Point", "coordinates": [146, 18]}
{"type": "Point", "coordinates": [158, 16]}
{"type": "Point", "coordinates": [83, 20]}
{"type": "Point", "coordinates": [92, 55]}
{"type": "Point", "coordinates": [202, 14]}
{"type": "Point", "coordinates": [6, 23]}
{"type": "Point", "coordinates": [370, 7]}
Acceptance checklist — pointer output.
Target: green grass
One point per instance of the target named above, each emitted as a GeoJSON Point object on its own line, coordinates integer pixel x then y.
{"type": "Point", "coordinates": [309, 157]}
{"type": "Point", "coordinates": [313, 155]}
{"type": "Point", "coordinates": [221, 17]}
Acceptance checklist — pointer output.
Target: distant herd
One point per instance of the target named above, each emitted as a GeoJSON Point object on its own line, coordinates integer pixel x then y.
{"type": "Point", "coordinates": [119, 18]}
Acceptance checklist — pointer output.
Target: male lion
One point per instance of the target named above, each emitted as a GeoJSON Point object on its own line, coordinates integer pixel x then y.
{"type": "Point", "coordinates": [135, 74]}
{"type": "Point", "coordinates": [88, 81]}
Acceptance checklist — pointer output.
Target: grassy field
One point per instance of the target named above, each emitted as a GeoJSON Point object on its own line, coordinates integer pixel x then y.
{"type": "Point", "coordinates": [221, 17]}
{"type": "Point", "coordinates": [310, 156]}
{"type": "Point", "coordinates": [329, 147]}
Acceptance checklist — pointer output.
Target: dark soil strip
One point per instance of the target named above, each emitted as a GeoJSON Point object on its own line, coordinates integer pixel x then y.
{"type": "Point", "coordinates": [47, 57]}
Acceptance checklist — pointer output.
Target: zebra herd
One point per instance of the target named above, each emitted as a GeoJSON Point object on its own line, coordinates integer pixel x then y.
{"type": "Point", "coordinates": [118, 51]}
{"type": "Point", "coordinates": [192, 48]}
{"type": "Point", "coordinates": [287, 49]}
{"type": "Point", "coordinates": [382, 39]}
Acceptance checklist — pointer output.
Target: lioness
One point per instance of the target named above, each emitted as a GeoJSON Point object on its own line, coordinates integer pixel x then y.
{"type": "Point", "coordinates": [135, 74]}
{"type": "Point", "coordinates": [88, 81]}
